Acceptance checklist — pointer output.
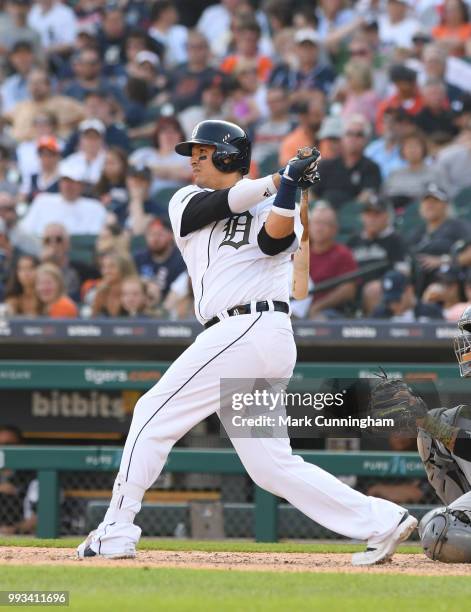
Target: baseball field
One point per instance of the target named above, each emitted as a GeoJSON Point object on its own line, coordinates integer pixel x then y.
{"type": "Point", "coordinates": [234, 576]}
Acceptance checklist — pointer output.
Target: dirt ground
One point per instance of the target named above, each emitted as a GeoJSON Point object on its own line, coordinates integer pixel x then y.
{"type": "Point", "coordinates": [412, 564]}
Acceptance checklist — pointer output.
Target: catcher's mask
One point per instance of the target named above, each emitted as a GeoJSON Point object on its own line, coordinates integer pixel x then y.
{"type": "Point", "coordinates": [462, 343]}
{"type": "Point", "coordinates": [233, 148]}
{"type": "Point", "coordinates": [446, 535]}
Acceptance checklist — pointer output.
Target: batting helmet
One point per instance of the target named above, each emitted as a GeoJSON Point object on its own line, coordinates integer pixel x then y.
{"type": "Point", "coordinates": [463, 343]}
{"type": "Point", "coordinates": [233, 148]}
{"type": "Point", "coordinates": [446, 535]}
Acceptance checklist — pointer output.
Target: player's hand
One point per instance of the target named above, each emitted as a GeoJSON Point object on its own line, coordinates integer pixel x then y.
{"type": "Point", "coordinates": [393, 399]}
{"type": "Point", "coordinates": [302, 169]}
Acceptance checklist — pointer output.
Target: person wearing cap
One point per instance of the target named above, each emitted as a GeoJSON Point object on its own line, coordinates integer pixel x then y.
{"type": "Point", "coordinates": [78, 214]}
{"type": "Point", "coordinates": [377, 243]}
{"type": "Point", "coordinates": [46, 180]}
{"type": "Point", "coordinates": [90, 158]}
{"type": "Point", "coordinates": [14, 88]}
{"type": "Point", "coordinates": [189, 80]}
{"type": "Point", "coordinates": [69, 112]}
{"type": "Point", "coordinates": [351, 175]}
{"type": "Point", "coordinates": [311, 72]}
{"type": "Point", "coordinates": [400, 304]}
{"type": "Point", "coordinates": [56, 24]}
{"type": "Point", "coordinates": [406, 96]}
{"type": "Point", "coordinates": [14, 28]}
{"type": "Point", "coordinates": [160, 262]}
{"type": "Point", "coordinates": [431, 244]}
{"type": "Point", "coordinates": [446, 292]}
{"type": "Point", "coordinates": [397, 26]}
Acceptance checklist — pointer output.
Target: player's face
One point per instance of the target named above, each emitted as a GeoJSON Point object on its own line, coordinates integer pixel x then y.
{"type": "Point", "coordinates": [204, 171]}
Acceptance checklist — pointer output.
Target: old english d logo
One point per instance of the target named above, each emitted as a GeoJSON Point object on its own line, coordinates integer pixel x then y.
{"type": "Point", "coordinates": [237, 231]}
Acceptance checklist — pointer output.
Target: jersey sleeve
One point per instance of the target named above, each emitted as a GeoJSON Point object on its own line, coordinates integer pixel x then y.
{"type": "Point", "coordinates": [176, 207]}
{"type": "Point", "coordinates": [262, 211]}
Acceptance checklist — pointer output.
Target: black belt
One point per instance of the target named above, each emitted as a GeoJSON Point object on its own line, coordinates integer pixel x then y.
{"type": "Point", "coordinates": [247, 309]}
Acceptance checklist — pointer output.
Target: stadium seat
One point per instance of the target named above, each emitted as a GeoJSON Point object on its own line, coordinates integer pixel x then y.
{"type": "Point", "coordinates": [409, 220]}
{"type": "Point", "coordinates": [349, 217]}
{"type": "Point", "coordinates": [163, 196]}
{"type": "Point", "coordinates": [462, 202]}
{"type": "Point", "coordinates": [269, 165]}
{"type": "Point", "coordinates": [82, 248]}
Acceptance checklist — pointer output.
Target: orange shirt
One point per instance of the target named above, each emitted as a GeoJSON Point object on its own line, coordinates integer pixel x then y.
{"type": "Point", "coordinates": [291, 143]}
{"type": "Point", "coordinates": [412, 107]}
{"type": "Point", "coordinates": [264, 65]}
{"type": "Point", "coordinates": [462, 32]}
{"type": "Point", "coordinates": [64, 308]}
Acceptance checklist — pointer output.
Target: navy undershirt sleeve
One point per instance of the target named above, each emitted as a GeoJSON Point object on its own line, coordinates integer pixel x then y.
{"type": "Point", "coordinates": [204, 208]}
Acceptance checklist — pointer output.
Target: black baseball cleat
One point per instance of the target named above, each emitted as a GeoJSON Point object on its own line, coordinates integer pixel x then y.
{"type": "Point", "coordinates": [380, 551]}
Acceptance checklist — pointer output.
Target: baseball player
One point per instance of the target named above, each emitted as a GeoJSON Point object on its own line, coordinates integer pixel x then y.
{"type": "Point", "coordinates": [236, 236]}
{"type": "Point", "coordinates": [444, 445]}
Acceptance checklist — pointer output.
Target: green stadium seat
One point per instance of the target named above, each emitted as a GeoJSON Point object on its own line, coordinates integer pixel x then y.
{"type": "Point", "coordinates": [269, 165]}
{"type": "Point", "coordinates": [410, 220]}
{"type": "Point", "coordinates": [138, 243]}
{"type": "Point", "coordinates": [349, 217]}
{"type": "Point", "coordinates": [163, 196]}
{"type": "Point", "coordinates": [462, 202]}
{"type": "Point", "coordinates": [82, 248]}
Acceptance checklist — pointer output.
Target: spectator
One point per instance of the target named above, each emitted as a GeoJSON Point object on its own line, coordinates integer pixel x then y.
{"type": "Point", "coordinates": [246, 101]}
{"type": "Point", "coordinates": [111, 39]}
{"type": "Point", "coordinates": [6, 258]}
{"type": "Point", "coordinates": [133, 299]}
{"type": "Point", "coordinates": [335, 22]}
{"type": "Point", "coordinates": [90, 158]}
{"type": "Point", "coordinates": [379, 244]}
{"type": "Point", "coordinates": [409, 183]}
{"type": "Point", "coordinates": [46, 180]}
{"type": "Point", "coordinates": [20, 240]}
{"type": "Point", "coordinates": [328, 260]}
{"type": "Point", "coordinates": [20, 294]}
{"type": "Point", "coordinates": [111, 187]}
{"type": "Point", "coordinates": [56, 250]}
{"type": "Point", "coordinates": [446, 291]}
{"type": "Point", "coordinates": [400, 304]}
{"type": "Point", "coordinates": [351, 175]}
{"type": "Point", "coordinates": [50, 290]}
{"type": "Point", "coordinates": [191, 79]}
{"type": "Point", "coordinates": [361, 51]}
{"type": "Point", "coordinates": [87, 69]}
{"type": "Point", "coordinates": [56, 25]}
{"type": "Point", "coordinates": [436, 116]}
{"type": "Point", "coordinates": [44, 126]}
{"type": "Point", "coordinates": [8, 177]}
{"type": "Point", "coordinates": [455, 29]}
{"type": "Point", "coordinates": [14, 29]}
{"type": "Point", "coordinates": [99, 105]}
{"type": "Point", "coordinates": [361, 97]}
{"type": "Point", "coordinates": [14, 88]}
{"type": "Point", "coordinates": [168, 168]}
{"type": "Point", "coordinates": [165, 29]}
{"type": "Point", "coordinates": [106, 300]}
{"type": "Point", "coordinates": [453, 164]}
{"type": "Point", "coordinates": [68, 111]}
{"type": "Point", "coordinates": [141, 207]}
{"type": "Point", "coordinates": [311, 116]}
{"type": "Point", "coordinates": [213, 98]}
{"type": "Point", "coordinates": [160, 263]}
{"type": "Point", "coordinates": [215, 22]}
{"type": "Point", "coordinates": [330, 137]}
{"type": "Point", "coordinates": [275, 127]}
{"type": "Point", "coordinates": [78, 214]}
{"type": "Point", "coordinates": [407, 95]}
{"type": "Point", "coordinates": [385, 150]}
{"type": "Point", "coordinates": [454, 313]}
{"type": "Point", "coordinates": [432, 242]}
{"type": "Point", "coordinates": [396, 26]}
{"type": "Point", "coordinates": [311, 72]}
{"type": "Point", "coordinates": [434, 62]}
{"type": "Point", "coordinates": [247, 35]}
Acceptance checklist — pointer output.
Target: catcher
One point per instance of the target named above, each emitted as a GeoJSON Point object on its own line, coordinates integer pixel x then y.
{"type": "Point", "coordinates": [444, 445]}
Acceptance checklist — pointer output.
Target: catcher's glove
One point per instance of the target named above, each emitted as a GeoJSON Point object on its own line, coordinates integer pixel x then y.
{"type": "Point", "coordinates": [392, 398]}
{"type": "Point", "coordinates": [302, 169]}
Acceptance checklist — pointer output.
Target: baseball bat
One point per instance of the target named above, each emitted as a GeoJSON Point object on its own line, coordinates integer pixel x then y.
{"type": "Point", "coordinates": [300, 285]}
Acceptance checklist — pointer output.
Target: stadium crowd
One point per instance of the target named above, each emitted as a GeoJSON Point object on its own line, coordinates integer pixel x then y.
{"type": "Point", "coordinates": [95, 95]}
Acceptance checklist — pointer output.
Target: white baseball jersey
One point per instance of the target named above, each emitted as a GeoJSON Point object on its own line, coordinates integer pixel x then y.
{"type": "Point", "coordinates": [224, 261]}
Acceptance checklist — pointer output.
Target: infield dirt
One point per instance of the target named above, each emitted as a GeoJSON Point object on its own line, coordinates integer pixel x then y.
{"type": "Point", "coordinates": [411, 564]}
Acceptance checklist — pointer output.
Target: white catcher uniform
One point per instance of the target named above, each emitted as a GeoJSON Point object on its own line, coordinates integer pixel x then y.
{"type": "Point", "coordinates": [227, 268]}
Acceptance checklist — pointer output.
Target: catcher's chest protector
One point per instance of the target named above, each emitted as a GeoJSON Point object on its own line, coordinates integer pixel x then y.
{"type": "Point", "coordinates": [449, 479]}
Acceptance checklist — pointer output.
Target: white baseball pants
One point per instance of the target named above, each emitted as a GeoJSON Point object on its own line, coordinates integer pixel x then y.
{"type": "Point", "coordinates": [252, 346]}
